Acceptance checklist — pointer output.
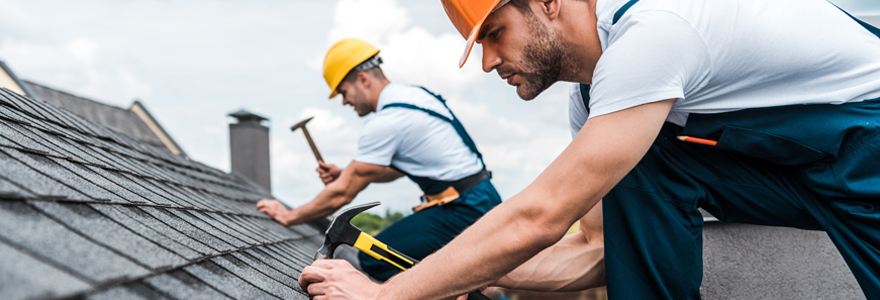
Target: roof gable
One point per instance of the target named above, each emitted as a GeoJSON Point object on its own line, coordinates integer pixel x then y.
{"type": "Point", "coordinates": [116, 118]}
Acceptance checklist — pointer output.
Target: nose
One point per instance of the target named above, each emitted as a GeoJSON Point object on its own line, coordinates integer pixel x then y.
{"type": "Point", "coordinates": [491, 60]}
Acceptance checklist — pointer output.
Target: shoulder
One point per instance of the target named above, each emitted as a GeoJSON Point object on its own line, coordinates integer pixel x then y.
{"type": "Point", "coordinates": [380, 124]}
{"type": "Point", "coordinates": [401, 93]}
{"type": "Point", "coordinates": [412, 95]}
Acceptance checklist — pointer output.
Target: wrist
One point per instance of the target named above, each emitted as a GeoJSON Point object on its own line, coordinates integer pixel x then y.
{"type": "Point", "coordinates": [505, 282]}
{"type": "Point", "coordinates": [384, 293]}
{"type": "Point", "coordinates": [289, 217]}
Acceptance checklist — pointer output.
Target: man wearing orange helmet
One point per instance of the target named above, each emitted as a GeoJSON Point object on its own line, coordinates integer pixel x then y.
{"type": "Point", "coordinates": [411, 132]}
{"type": "Point", "coordinates": [730, 106]}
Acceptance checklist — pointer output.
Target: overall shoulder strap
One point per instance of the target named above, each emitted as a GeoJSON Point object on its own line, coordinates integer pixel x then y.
{"type": "Point", "coordinates": [585, 95]}
{"type": "Point", "coordinates": [869, 27]}
{"type": "Point", "coordinates": [619, 13]}
{"type": "Point", "coordinates": [459, 128]}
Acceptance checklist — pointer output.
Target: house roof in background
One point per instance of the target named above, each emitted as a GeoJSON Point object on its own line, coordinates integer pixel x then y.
{"type": "Point", "coordinates": [126, 121]}
{"type": "Point", "coordinates": [141, 111]}
{"type": "Point", "coordinates": [88, 212]}
{"type": "Point", "coordinates": [10, 81]}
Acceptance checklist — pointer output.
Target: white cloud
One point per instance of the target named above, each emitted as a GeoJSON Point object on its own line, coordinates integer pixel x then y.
{"type": "Point", "coordinates": [77, 66]}
{"type": "Point", "coordinates": [83, 49]}
{"type": "Point", "coordinates": [369, 20]}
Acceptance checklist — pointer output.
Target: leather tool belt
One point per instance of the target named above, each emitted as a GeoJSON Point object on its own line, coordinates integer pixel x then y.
{"type": "Point", "coordinates": [453, 192]}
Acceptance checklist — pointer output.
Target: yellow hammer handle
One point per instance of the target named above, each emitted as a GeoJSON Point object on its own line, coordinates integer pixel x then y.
{"type": "Point", "coordinates": [370, 245]}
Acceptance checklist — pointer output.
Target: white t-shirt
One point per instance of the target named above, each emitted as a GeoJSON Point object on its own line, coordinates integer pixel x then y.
{"type": "Point", "coordinates": [414, 141]}
{"type": "Point", "coordinates": [719, 56]}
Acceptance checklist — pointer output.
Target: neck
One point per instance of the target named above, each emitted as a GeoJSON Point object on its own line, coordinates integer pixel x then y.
{"type": "Point", "coordinates": [578, 28]}
{"type": "Point", "coordinates": [376, 91]}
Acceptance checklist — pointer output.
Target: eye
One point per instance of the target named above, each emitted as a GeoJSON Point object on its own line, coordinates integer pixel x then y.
{"type": "Point", "coordinates": [494, 33]}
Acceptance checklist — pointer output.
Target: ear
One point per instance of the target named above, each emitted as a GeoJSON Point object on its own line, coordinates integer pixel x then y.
{"type": "Point", "coordinates": [364, 79]}
{"type": "Point", "coordinates": [550, 8]}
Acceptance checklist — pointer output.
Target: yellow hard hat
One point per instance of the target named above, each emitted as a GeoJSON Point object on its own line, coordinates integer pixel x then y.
{"type": "Point", "coordinates": [468, 16]}
{"type": "Point", "coordinates": [344, 56]}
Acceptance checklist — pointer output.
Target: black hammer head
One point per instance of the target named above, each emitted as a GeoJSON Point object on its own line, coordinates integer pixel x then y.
{"type": "Point", "coordinates": [341, 231]}
{"type": "Point", "coordinates": [300, 124]}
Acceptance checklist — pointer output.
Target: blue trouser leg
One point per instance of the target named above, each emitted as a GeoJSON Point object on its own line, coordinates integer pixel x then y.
{"type": "Point", "coordinates": [422, 233]}
{"type": "Point", "coordinates": [653, 230]}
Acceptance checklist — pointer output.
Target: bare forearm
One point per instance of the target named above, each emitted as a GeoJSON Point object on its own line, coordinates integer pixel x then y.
{"type": "Point", "coordinates": [598, 158]}
{"type": "Point", "coordinates": [326, 203]}
{"type": "Point", "coordinates": [506, 237]}
{"type": "Point", "coordinates": [353, 179]}
{"type": "Point", "coordinates": [573, 264]}
{"type": "Point", "coordinates": [490, 248]}
{"type": "Point", "coordinates": [576, 262]}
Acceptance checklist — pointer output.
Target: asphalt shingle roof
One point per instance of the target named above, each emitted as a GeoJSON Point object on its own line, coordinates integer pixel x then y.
{"type": "Point", "coordinates": [119, 119]}
{"type": "Point", "coordinates": [86, 212]}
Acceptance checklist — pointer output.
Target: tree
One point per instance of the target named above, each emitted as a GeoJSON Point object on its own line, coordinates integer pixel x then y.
{"type": "Point", "coordinates": [373, 224]}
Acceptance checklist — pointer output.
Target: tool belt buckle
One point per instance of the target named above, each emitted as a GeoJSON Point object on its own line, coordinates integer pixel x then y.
{"type": "Point", "coordinates": [444, 197]}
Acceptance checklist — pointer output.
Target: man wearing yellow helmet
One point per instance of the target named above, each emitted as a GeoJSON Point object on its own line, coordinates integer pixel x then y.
{"type": "Point", "coordinates": [750, 109]}
{"type": "Point", "coordinates": [412, 132]}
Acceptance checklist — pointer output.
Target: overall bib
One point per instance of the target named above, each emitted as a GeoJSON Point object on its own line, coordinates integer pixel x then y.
{"type": "Point", "coordinates": [814, 167]}
{"type": "Point", "coordinates": [426, 231]}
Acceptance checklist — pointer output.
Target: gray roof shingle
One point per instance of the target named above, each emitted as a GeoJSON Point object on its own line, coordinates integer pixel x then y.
{"type": "Point", "coordinates": [87, 212]}
{"type": "Point", "coordinates": [116, 118]}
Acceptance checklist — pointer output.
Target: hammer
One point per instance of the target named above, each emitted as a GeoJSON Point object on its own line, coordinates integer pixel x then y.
{"type": "Point", "coordinates": [302, 124]}
{"type": "Point", "coordinates": [342, 232]}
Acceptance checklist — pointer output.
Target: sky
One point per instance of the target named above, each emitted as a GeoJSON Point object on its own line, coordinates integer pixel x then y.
{"type": "Point", "coordinates": [193, 62]}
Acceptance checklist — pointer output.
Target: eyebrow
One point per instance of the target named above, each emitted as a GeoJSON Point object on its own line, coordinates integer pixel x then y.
{"type": "Point", "coordinates": [484, 30]}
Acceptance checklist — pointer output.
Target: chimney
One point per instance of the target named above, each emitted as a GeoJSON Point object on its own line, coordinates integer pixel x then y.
{"type": "Point", "coordinates": [249, 147]}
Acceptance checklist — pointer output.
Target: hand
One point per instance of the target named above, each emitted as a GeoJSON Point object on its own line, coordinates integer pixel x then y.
{"type": "Point", "coordinates": [336, 279]}
{"type": "Point", "coordinates": [274, 209]}
{"type": "Point", "coordinates": [328, 172]}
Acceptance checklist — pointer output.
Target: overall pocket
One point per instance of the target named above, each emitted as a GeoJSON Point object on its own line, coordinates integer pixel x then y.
{"type": "Point", "coordinates": [767, 146]}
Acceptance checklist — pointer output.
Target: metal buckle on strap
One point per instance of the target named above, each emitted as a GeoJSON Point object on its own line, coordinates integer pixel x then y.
{"type": "Point", "coordinates": [444, 197]}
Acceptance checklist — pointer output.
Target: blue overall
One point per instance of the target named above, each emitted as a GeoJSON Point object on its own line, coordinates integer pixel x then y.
{"type": "Point", "coordinates": [426, 231]}
{"type": "Point", "coordinates": [814, 167]}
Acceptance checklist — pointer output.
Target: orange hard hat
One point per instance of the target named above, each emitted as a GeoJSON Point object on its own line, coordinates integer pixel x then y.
{"type": "Point", "coordinates": [468, 16]}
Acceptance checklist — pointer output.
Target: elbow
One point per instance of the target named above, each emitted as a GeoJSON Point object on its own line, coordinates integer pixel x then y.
{"type": "Point", "coordinates": [339, 195]}
{"type": "Point", "coordinates": [541, 230]}
{"type": "Point", "coordinates": [339, 201]}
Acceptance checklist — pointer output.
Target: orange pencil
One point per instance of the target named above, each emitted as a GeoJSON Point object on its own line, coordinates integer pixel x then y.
{"type": "Point", "coordinates": [685, 138]}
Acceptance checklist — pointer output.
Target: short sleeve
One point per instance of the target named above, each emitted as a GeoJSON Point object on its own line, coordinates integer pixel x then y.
{"type": "Point", "coordinates": [577, 111]}
{"type": "Point", "coordinates": [378, 143]}
{"type": "Point", "coordinates": [651, 56]}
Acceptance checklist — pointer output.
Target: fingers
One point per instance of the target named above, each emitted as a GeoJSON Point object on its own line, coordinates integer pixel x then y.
{"type": "Point", "coordinates": [262, 203]}
{"type": "Point", "coordinates": [319, 269]}
{"type": "Point", "coordinates": [331, 264]}
{"type": "Point", "coordinates": [310, 275]}
{"type": "Point", "coordinates": [335, 279]}
{"type": "Point", "coordinates": [269, 206]}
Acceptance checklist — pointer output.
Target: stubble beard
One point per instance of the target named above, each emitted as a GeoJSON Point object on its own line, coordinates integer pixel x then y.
{"type": "Point", "coordinates": [544, 60]}
{"type": "Point", "coordinates": [363, 107]}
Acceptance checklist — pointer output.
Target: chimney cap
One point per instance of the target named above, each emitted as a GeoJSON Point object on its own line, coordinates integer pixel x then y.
{"type": "Point", "coordinates": [244, 115]}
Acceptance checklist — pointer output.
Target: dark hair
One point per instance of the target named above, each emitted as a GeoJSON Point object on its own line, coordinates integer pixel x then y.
{"type": "Point", "coordinates": [521, 5]}
{"type": "Point", "coordinates": [374, 71]}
